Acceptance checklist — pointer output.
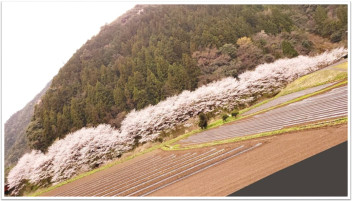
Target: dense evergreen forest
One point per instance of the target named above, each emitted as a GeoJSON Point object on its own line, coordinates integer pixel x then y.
{"type": "Point", "coordinates": [156, 51]}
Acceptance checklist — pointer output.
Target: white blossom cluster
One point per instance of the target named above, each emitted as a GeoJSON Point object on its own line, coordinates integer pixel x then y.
{"type": "Point", "coordinates": [226, 93]}
{"type": "Point", "coordinates": [77, 152]}
{"type": "Point", "coordinates": [88, 147]}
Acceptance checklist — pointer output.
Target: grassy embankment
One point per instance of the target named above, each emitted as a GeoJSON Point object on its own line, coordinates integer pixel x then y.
{"type": "Point", "coordinates": [342, 66]}
{"type": "Point", "coordinates": [308, 81]}
{"type": "Point", "coordinates": [259, 135]}
{"type": "Point", "coordinates": [315, 79]}
{"type": "Point", "coordinates": [311, 80]}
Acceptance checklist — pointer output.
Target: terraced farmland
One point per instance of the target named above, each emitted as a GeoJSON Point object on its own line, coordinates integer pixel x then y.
{"type": "Point", "coordinates": [286, 98]}
{"type": "Point", "coordinates": [328, 105]}
{"type": "Point", "coordinates": [154, 173]}
{"type": "Point", "coordinates": [159, 169]}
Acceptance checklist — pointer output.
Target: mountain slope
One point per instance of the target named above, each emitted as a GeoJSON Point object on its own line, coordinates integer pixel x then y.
{"type": "Point", "coordinates": [156, 51]}
{"type": "Point", "coordinates": [15, 130]}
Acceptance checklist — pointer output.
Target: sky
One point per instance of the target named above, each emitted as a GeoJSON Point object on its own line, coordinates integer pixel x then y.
{"type": "Point", "coordinates": [38, 38]}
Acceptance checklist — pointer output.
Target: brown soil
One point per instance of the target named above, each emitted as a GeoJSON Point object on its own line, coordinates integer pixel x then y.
{"type": "Point", "coordinates": [100, 174]}
{"type": "Point", "coordinates": [277, 153]}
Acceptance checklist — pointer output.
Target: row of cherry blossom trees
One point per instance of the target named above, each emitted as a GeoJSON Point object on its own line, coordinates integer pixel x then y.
{"type": "Point", "coordinates": [87, 148]}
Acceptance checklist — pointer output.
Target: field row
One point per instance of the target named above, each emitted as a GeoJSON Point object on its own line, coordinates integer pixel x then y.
{"type": "Point", "coordinates": [153, 173]}
{"type": "Point", "coordinates": [286, 98]}
{"type": "Point", "coordinates": [325, 106]}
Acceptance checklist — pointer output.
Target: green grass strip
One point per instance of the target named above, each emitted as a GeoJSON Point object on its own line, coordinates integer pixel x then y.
{"type": "Point", "coordinates": [343, 66]}
{"type": "Point", "coordinates": [259, 135]}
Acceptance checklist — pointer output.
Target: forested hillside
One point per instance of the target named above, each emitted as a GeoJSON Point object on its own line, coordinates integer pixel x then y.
{"type": "Point", "coordinates": [15, 131]}
{"type": "Point", "coordinates": [156, 51]}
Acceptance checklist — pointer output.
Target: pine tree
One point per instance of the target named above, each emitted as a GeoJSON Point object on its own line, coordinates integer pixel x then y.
{"type": "Point", "coordinates": [153, 88]}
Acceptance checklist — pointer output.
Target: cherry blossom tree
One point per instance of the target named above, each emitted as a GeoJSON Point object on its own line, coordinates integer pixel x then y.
{"type": "Point", "coordinates": [87, 148]}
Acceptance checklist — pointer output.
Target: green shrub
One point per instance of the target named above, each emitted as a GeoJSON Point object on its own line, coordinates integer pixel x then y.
{"type": "Point", "coordinates": [336, 37]}
{"type": "Point", "coordinates": [307, 44]}
{"type": "Point", "coordinates": [268, 58]}
{"type": "Point", "coordinates": [234, 113]}
{"type": "Point", "coordinates": [203, 121]}
{"type": "Point", "coordinates": [224, 117]}
{"type": "Point", "coordinates": [288, 49]}
{"type": "Point", "coordinates": [229, 49]}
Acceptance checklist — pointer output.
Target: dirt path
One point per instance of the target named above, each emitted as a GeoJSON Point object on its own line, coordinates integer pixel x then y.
{"type": "Point", "coordinates": [278, 153]}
